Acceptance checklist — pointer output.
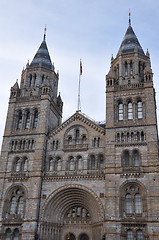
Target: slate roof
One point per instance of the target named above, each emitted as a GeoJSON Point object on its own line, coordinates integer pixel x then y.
{"type": "Point", "coordinates": [129, 43]}
{"type": "Point", "coordinates": [42, 57]}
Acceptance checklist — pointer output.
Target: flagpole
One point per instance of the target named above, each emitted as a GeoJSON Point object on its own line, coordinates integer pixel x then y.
{"type": "Point", "coordinates": [79, 86]}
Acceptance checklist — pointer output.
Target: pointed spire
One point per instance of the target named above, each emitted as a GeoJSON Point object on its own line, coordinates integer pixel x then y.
{"type": "Point", "coordinates": [129, 18]}
{"type": "Point", "coordinates": [130, 41]}
{"type": "Point", "coordinates": [42, 57]}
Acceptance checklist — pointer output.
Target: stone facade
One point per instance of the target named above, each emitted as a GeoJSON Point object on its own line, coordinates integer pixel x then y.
{"type": "Point", "coordinates": [81, 180]}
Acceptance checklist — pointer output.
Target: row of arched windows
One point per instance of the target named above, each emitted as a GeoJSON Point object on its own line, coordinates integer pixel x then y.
{"type": "Point", "coordinates": [18, 145]}
{"type": "Point", "coordinates": [76, 214]}
{"type": "Point", "coordinates": [130, 137]}
{"type": "Point", "coordinates": [27, 120]}
{"type": "Point", "coordinates": [130, 110]}
{"type": "Point", "coordinates": [76, 163]}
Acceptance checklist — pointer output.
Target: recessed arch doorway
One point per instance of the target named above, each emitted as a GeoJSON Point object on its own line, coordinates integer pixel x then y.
{"type": "Point", "coordinates": [72, 209]}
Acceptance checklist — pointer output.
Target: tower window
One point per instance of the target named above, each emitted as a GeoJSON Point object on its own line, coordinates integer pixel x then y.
{"type": "Point", "coordinates": [27, 122]}
{"type": "Point", "coordinates": [19, 125]}
{"type": "Point", "coordinates": [130, 111]}
{"type": "Point", "coordinates": [129, 235]}
{"type": "Point", "coordinates": [135, 158]}
{"type": "Point", "coordinates": [69, 140]}
{"type": "Point", "coordinates": [139, 109]}
{"type": "Point", "coordinates": [120, 111]}
{"type": "Point", "coordinates": [35, 121]}
{"type": "Point", "coordinates": [126, 69]}
{"type": "Point", "coordinates": [30, 80]}
{"type": "Point", "coordinates": [131, 68]}
{"type": "Point", "coordinates": [126, 159]}
{"type": "Point", "coordinates": [16, 234]}
{"type": "Point", "coordinates": [8, 234]}
{"type": "Point", "coordinates": [92, 162]}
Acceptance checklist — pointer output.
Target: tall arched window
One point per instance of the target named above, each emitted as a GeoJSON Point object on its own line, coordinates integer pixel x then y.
{"type": "Point", "coordinates": [129, 235]}
{"type": "Point", "coordinates": [131, 68]}
{"type": "Point", "coordinates": [126, 69]}
{"type": "Point", "coordinates": [20, 205]}
{"type": "Point", "coordinates": [34, 79]}
{"type": "Point", "coordinates": [13, 205]}
{"type": "Point", "coordinates": [24, 164]}
{"type": "Point", "coordinates": [130, 111]}
{"type": "Point", "coordinates": [69, 140]}
{"type": "Point", "coordinates": [17, 165]}
{"type": "Point", "coordinates": [138, 203]}
{"type": "Point", "coordinates": [135, 162]}
{"type": "Point", "coordinates": [59, 164]}
{"type": "Point", "coordinates": [101, 161]}
{"type": "Point", "coordinates": [126, 158]}
{"type": "Point", "coordinates": [128, 204]}
{"type": "Point", "coordinates": [8, 234]}
{"type": "Point", "coordinates": [35, 121]}
{"type": "Point", "coordinates": [27, 121]}
{"type": "Point", "coordinates": [120, 111]}
{"type": "Point", "coordinates": [30, 80]}
{"type": "Point", "coordinates": [79, 163]}
{"type": "Point", "coordinates": [19, 124]}
{"type": "Point", "coordinates": [77, 136]}
{"type": "Point", "coordinates": [92, 162]}
{"type": "Point", "coordinates": [71, 164]}
{"type": "Point", "coordinates": [84, 139]}
{"type": "Point", "coordinates": [16, 234]}
{"type": "Point", "coordinates": [139, 110]}
{"type": "Point", "coordinates": [51, 164]}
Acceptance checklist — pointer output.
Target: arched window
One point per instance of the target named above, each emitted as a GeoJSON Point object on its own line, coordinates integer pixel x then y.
{"type": "Point", "coordinates": [79, 163]}
{"type": "Point", "coordinates": [131, 68]}
{"type": "Point", "coordinates": [30, 80]}
{"type": "Point", "coordinates": [51, 164]}
{"type": "Point", "coordinates": [139, 235]}
{"type": "Point", "coordinates": [120, 111]}
{"type": "Point", "coordinates": [128, 138]}
{"type": "Point", "coordinates": [101, 161]}
{"type": "Point", "coordinates": [142, 136]}
{"type": "Point", "coordinates": [135, 162]}
{"type": "Point", "coordinates": [8, 234]}
{"type": "Point", "coordinates": [24, 164]}
{"type": "Point", "coordinates": [139, 109]}
{"type": "Point", "coordinates": [129, 235]}
{"type": "Point", "coordinates": [126, 158]}
{"type": "Point", "coordinates": [59, 164]}
{"type": "Point", "coordinates": [16, 234]}
{"type": "Point", "coordinates": [77, 136]}
{"type": "Point", "coordinates": [35, 121]}
{"type": "Point", "coordinates": [138, 203]}
{"type": "Point", "coordinates": [94, 142]}
{"type": "Point", "coordinates": [130, 111]}
{"type": "Point", "coordinates": [132, 201]}
{"type": "Point", "coordinates": [69, 140]}
{"type": "Point", "coordinates": [126, 69]}
{"type": "Point", "coordinates": [42, 79]}
{"type": "Point", "coordinates": [27, 121]}
{"type": "Point", "coordinates": [132, 137]}
{"type": "Point", "coordinates": [17, 165]}
{"type": "Point", "coordinates": [19, 124]}
{"type": "Point", "coordinates": [13, 205]}
{"type": "Point", "coordinates": [98, 142]}
{"type": "Point", "coordinates": [128, 204]}
{"type": "Point", "coordinates": [71, 164]}
{"type": "Point", "coordinates": [34, 79]}
{"type": "Point", "coordinates": [84, 139]}
{"type": "Point", "coordinates": [92, 162]}
{"type": "Point", "coordinates": [122, 137]}
{"type": "Point", "coordinates": [20, 205]}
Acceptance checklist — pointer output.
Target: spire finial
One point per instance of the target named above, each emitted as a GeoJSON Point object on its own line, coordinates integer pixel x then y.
{"type": "Point", "coordinates": [129, 18]}
{"type": "Point", "coordinates": [45, 32]}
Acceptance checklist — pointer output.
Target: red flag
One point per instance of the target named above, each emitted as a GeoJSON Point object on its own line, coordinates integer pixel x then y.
{"type": "Point", "coordinates": [80, 67]}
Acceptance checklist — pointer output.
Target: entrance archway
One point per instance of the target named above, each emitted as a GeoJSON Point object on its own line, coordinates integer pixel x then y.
{"type": "Point", "coordinates": [70, 236]}
{"type": "Point", "coordinates": [84, 237]}
{"type": "Point", "coordinates": [74, 209]}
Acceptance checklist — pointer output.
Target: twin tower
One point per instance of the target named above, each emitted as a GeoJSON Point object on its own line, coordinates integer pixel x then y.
{"type": "Point", "coordinates": [79, 180]}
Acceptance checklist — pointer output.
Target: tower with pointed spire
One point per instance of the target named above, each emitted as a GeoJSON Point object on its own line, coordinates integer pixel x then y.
{"type": "Point", "coordinates": [131, 149]}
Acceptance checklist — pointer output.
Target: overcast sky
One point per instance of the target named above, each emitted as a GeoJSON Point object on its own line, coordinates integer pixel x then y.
{"type": "Point", "coordinates": [88, 29]}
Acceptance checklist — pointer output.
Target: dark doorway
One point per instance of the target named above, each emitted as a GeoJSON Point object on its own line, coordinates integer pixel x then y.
{"type": "Point", "coordinates": [84, 237]}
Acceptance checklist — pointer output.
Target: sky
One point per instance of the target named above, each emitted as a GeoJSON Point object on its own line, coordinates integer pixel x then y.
{"type": "Point", "coordinates": [91, 30]}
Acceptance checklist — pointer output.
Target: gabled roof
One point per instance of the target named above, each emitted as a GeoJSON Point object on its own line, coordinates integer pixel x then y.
{"type": "Point", "coordinates": [82, 118]}
{"type": "Point", "coordinates": [130, 42]}
{"type": "Point", "coordinates": [42, 57]}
